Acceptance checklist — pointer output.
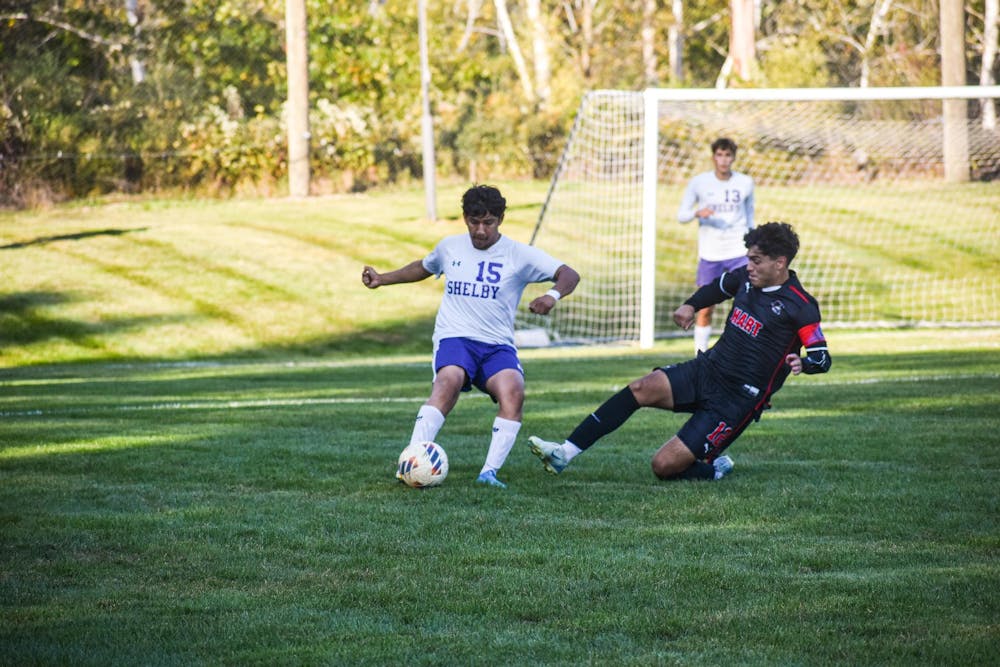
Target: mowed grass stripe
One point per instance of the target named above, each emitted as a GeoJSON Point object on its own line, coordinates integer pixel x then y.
{"type": "Point", "coordinates": [578, 388]}
{"type": "Point", "coordinates": [254, 278]}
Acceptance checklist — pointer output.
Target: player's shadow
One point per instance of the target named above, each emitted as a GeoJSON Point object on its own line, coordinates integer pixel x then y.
{"type": "Point", "coordinates": [42, 240]}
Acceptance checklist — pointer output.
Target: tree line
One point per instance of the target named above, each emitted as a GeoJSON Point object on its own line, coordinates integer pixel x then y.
{"type": "Point", "coordinates": [100, 96]}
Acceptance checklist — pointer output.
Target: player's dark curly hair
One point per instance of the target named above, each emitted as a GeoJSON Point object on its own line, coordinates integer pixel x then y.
{"type": "Point", "coordinates": [480, 200]}
{"type": "Point", "coordinates": [774, 239]}
{"type": "Point", "coordinates": [724, 143]}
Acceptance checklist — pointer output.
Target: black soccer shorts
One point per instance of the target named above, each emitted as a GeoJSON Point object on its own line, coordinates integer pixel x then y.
{"type": "Point", "coordinates": [719, 413]}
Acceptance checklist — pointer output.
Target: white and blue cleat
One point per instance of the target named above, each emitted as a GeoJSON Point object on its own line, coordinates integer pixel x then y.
{"type": "Point", "coordinates": [489, 478]}
{"type": "Point", "coordinates": [723, 466]}
{"type": "Point", "coordinates": [550, 453]}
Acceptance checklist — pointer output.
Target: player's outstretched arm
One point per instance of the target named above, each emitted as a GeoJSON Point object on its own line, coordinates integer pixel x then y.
{"type": "Point", "coordinates": [411, 273]}
{"type": "Point", "coordinates": [566, 281]}
{"type": "Point", "coordinates": [815, 361]}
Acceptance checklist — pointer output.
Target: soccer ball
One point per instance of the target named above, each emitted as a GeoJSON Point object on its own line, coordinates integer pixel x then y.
{"type": "Point", "coordinates": [422, 465]}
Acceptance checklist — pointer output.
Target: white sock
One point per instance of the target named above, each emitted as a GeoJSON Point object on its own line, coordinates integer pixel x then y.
{"type": "Point", "coordinates": [504, 434]}
{"type": "Point", "coordinates": [429, 422]}
{"type": "Point", "coordinates": [569, 450]}
{"type": "Point", "coordinates": [701, 336]}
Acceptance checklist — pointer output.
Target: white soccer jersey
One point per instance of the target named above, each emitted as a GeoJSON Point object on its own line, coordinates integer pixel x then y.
{"type": "Point", "coordinates": [483, 287]}
{"type": "Point", "coordinates": [721, 235]}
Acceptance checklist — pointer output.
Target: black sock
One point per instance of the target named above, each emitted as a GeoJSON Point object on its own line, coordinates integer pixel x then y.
{"type": "Point", "coordinates": [613, 413]}
{"type": "Point", "coordinates": [698, 470]}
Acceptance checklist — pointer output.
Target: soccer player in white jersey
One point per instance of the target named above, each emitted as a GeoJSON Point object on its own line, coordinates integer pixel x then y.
{"type": "Point", "coordinates": [723, 202]}
{"type": "Point", "coordinates": [485, 275]}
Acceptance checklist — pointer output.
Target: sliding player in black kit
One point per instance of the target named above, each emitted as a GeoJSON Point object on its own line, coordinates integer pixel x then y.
{"type": "Point", "coordinates": [730, 385]}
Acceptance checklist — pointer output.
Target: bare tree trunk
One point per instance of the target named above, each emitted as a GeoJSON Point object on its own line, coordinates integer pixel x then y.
{"type": "Point", "coordinates": [507, 29]}
{"type": "Point", "coordinates": [540, 51]}
{"type": "Point", "coordinates": [875, 28]}
{"type": "Point", "coordinates": [991, 28]}
{"type": "Point", "coordinates": [470, 21]}
{"type": "Point", "coordinates": [742, 42]}
{"type": "Point", "coordinates": [675, 41]}
{"type": "Point", "coordinates": [647, 35]}
{"type": "Point", "coordinates": [587, 28]}
{"type": "Point", "coordinates": [725, 71]}
{"type": "Point", "coordinates": [135, 62]}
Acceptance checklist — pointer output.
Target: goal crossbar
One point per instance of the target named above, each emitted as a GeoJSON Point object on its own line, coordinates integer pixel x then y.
{"type": "Point", "coordinates": [822, 94]}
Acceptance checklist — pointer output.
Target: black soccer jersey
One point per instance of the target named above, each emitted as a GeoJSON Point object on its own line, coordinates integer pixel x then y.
{"type": "Point", "coordinates": [763, 327]}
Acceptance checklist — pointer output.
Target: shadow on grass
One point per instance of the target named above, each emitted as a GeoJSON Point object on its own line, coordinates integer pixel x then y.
{"type": "Point", "coordinates": [29, 318]}
{"type": "Point", "coordinates": [395, 338]}
{"type": "Point", "coordinates": [78, 236]}
{"type": "Point", "coordinates": [23, 321]}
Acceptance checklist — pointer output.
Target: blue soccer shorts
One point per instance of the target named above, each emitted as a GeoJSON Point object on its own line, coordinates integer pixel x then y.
{"type": "Point", "coordinates": [481, 361]}
{"type": "Point", "coordinates": [709, 271]}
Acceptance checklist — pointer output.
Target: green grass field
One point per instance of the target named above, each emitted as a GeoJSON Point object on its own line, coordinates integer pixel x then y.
{"type": "Point", "coordinates": [201, 408]}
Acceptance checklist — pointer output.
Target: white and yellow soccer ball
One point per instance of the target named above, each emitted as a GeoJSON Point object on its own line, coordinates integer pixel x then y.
{"type": "Point", "coordinates": [422, 465]}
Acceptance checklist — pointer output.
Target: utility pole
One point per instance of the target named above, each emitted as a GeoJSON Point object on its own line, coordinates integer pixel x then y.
{"type": "Point", "coordinates": [297, 62]}
{"type": "Point", "coordinates": [956, 136]}
{"type": "Point", "coordinates": [427, 123]}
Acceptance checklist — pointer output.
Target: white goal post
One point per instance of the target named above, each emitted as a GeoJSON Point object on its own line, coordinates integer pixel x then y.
{"type": "Point", "coordinates": [895, 193]}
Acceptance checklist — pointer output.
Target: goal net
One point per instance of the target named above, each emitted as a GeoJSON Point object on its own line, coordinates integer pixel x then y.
{"type": "Point", "coordinates": [894, 192]}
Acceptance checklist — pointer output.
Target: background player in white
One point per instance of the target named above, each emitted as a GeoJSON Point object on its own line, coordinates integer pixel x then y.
{"type": "Point", "coordinates": [485, 275]}
{"type": "Point", "coordinates": [723, 202]}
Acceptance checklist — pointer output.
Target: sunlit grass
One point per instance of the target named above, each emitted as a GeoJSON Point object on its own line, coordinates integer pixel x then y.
{"type": "Point", "coordinates": [201, 408]}
{"type": "Point", "coordinates": [245, 512]}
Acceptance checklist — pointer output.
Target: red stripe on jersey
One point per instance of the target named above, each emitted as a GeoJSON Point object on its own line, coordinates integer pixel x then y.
{"type": "Point", "coordinates": [811, 334]}
{"type": "Point", "coordinates": [774, 375]}
{"type": "Point", "coordinates": [800, 294]}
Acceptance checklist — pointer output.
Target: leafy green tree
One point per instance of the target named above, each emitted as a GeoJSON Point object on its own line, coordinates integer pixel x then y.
{"type": "Point", "coordinates": [207, 113]}
{"type": "Point", "coordinates": [59, 90]}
